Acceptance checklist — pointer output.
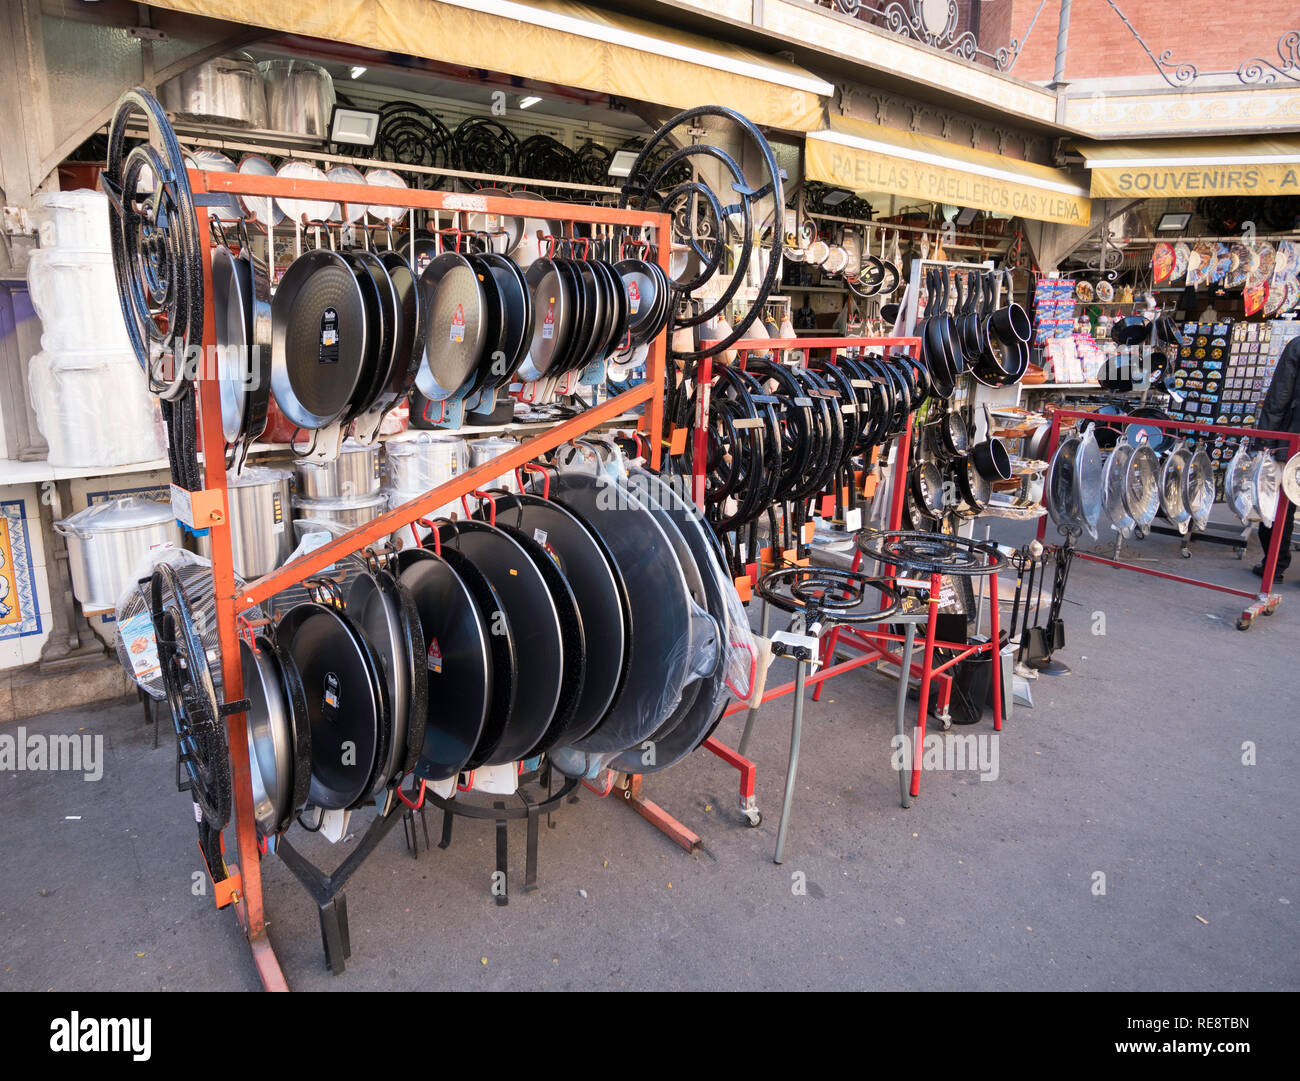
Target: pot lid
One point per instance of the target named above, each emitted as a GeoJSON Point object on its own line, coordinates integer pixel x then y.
{"type": "Point", "coordinates": [351, 502]}
{"type": "Point", "coordinates": [114, 515]}
{"type": "Point", "coordinates": [253, 475]}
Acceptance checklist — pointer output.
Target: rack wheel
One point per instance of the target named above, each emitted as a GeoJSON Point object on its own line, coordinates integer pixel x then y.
{"type": "Point", "coordinates": [1186, 553]}
{"type": "Point", "coordinates": [1243, 623]}
{"type": "Point", "coordinates": [1239, 551]}
{"type": "Point", "coordinates": [753, 818]}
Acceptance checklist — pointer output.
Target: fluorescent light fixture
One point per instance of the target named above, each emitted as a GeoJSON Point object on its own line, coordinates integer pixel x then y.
{"type": "Point", "coordinates": [858, 142]}
{"type": "Point", "coordinates": [966, 215]}
{"type": "Point", "coordinates": [616, 35]}
{"type": "Point", "coordinates": [356, 126]}
{"type": "Point", "coordinates": [528, 102]}
{"type": "Point", "coordinates": [1173, 222]}
{"type": "Point", "coordinates": [622, 162]}
{"type": "Point", "coordinates": [356, 71]}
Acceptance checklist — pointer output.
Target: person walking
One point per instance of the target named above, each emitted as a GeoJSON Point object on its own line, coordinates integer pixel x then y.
{"type": "Point", "coordinates": [1281, 413]}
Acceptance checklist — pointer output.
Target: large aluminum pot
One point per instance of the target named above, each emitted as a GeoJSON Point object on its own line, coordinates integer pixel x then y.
{"type": "Point", "coordinates": [347, 512]}
{"type": "Point", "coordinates": [484, 450]}
{"type": "Point", "coordinates": [355, 472]}
{"type": "Point", "coordinates": [425, 461]}
{"type": "Point", "coordinates": [68, 392]}
{"type": "Point", "coordinates": [260, 537]}
{"type": "Point", "coordinates": [299, 96]}
{"type": "Point", "coordinates": [228, 89]}
{"type": "Point", "coordinates": [107, 540]}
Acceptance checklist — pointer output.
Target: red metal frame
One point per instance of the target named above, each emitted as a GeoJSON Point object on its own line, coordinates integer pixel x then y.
{"type": "Point", "coordinates": [248, 899]}
{"type": "Point", "coordinates": [1265, 601]}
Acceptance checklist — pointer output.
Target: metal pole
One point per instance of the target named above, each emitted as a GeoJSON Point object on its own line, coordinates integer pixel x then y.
{"type": "Point", "coordinates": [904, 680]}
{"type": "Point", "coordinates": [753, 712]}
{"type": "Point", "coordinates": [796, 729]}
{"type": "Point", "coordinates": [1062, 43]}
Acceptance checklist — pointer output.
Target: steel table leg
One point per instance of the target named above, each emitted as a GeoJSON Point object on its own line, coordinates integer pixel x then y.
{"type": "Point", "coordinates": [765, 626]}
{"type": "Point", "coordinates": [796, 730]}
{"type": "Point", "coordinates": [904, 680]}
{"type": "Point", "coordinates": [995, 659]}
{"type": "Point", "coordinates": [927, 666]}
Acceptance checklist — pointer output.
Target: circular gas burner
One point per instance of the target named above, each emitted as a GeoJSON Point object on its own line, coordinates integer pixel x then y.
{"type": "Point", "coordinates": [934, 553]}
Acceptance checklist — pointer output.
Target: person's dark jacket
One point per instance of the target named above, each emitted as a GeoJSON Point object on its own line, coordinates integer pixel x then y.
{"type": "Point", "coordinates": [1281, 409]}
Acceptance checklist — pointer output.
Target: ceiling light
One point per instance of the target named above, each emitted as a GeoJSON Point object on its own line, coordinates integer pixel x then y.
{"type": "Point", "coordinates": [528, 102]}
{"type": "Point", "coordinates": [834, 198]}
{"type": "Point", "coordinates": [356, 71]}
{"type": "Point", "coordinates": [1173, 222]}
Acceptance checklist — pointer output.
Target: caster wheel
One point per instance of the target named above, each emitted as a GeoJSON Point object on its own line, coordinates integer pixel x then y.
{"type": "Point", "coordinates": [753, 821]}
{"type": "Point", "coordinates": [1243, 624]}
{"type": "Point", "coordinates": [945, 723]}
{"type": "Point", "coordinates": [1186, 553]}
{"type": "Point", "coordinates": [1240, 553]}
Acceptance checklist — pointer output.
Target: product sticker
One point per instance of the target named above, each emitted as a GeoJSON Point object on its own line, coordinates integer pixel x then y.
{"type": "Point", "coordinates": [853, 519]}
{"type": "Point", "coordinates": [458, 324]}
{"type": "Point", "coordinates": [329, 336]}
{"type": "Point", "coordinates": [548, 324]}
{"type": "Point", "coordinates": [633, 297]}
{"type": "Point", "coordinates": [137, 636]}
{"type": "Point", "coordinates": [434, 657]}
{"type": "Point", "coordinates": [539, 535]}
{"type": "Point", "coordinates": [331, 690]}
{"type": "Point", "coordinates": [277, 513]}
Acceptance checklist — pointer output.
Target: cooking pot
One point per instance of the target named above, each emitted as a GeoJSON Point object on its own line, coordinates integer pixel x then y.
{"type": "Point", "coordinates": [482, 450]}
{"type": "Point", "coordinates": [354, 473]}
{"type": "Point", "coordinates": [72, 219]}
{"type": "Point", "coordinates": [299, 96]}
{"type": "Point", "coordinates": [107, 540]}
{"type": "Point", "coordinates": [75, 294]}
{"type": "Point", "coordinates": [348, 511]}
{"type": "Point", "coordinates": [426, 461]}
{"type": "Point", "coordinates": [228, 89]}
{"type": "Point", "coordinates": [260, 538]}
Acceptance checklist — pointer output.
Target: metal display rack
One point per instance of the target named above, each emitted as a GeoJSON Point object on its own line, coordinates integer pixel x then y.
{"type": "Point", "coordinates": [243, 887]}
{"type": "Point", "coordinates": [1263, 602]}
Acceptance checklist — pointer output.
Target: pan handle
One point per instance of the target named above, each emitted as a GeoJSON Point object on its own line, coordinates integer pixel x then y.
{"type": "Point", "coordinates": [533, 467]}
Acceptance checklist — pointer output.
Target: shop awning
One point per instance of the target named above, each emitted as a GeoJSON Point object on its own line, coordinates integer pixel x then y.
{"type": "Point", "coordinates": [1159, 168]}
{"type": "Point", "coordinates": [553, 41]}
{"type": "Point", "coordinates": [867, 157]}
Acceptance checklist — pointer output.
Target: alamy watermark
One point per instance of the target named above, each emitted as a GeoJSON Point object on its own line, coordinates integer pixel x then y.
{"type": "Point", "coordinates": [948, 751]}
{"type": "Point", "coordinates": [66, 753]}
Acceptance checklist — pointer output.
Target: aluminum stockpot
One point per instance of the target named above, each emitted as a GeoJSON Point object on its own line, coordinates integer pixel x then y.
{"type": "Point", "coordinates": [228, 88]}
{"type": "Point", "coordinates": [425, 461]}
{"type": "Point", "coordinates": [354, 473]}
{"type": "Point", "coordinates": [484, 450]}
{"type": "Point", "coordinates": [260, 537]}
{"type": "Point", "coordinates": [348, 512]}
{"type": "Point", "coordinates": [107, 541]}
{"type": "Point", "coordinates": [299, 96]}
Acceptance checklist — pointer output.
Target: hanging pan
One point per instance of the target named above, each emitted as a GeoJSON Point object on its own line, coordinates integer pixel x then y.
{"type": "Point", "coordinates": [279, 734]}
{"type": "Point", "coordinates": [457, 325]}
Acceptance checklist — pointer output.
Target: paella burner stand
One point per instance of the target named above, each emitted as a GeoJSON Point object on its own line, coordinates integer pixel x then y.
{"type": "Point", "coordinates": [210, 511]}
{"type": "Point", "coordinates": [1263, 602]}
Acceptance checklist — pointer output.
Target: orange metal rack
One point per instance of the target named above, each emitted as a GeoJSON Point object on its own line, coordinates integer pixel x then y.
{"type": "Point", "coordinates": [244, 886]}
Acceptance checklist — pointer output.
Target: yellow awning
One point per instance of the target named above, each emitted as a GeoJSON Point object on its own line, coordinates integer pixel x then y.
{"type": "Point", "coordinates": [1158, 168]}
{"type": "Point", "coordinates": [555, 41]}
{"type": "Point", "coordinates": [867, 157]}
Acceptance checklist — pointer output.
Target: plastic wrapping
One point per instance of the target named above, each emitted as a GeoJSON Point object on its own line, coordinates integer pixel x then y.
{"type": "Point", "coordinates": [133, 633]}
{"type": "Point", "coordinates": [425, 461]}
{"type": "Point", "coordinates": [74, 292]}
{"type": "Point", "coordinates": [228, 89]}
{"type": "Point", "coordinates": [68, 393]}
{"type": "Point", "coordinates": [72, 219]}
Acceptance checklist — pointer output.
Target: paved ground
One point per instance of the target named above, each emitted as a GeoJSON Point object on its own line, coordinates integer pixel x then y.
{"type": "Point", "coordinates": [1131, 766]}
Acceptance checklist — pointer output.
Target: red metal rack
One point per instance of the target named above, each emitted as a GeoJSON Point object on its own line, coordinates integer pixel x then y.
{"type": "Point", "coordinates": [245, 882]}
{"type": "Point", "coordinates": [1265, 601]}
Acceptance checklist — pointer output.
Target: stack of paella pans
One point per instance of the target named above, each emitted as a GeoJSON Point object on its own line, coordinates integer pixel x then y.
{"type": "Point", "coordinates": [588, 618]}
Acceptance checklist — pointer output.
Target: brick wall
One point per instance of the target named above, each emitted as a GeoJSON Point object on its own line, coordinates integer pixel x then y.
{"type": "Point", "coordinates": [1214, 35]}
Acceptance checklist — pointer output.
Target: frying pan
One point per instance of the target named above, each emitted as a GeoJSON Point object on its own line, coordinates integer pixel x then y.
{"type": "Point", "coordinates": [598, 590]}
{"type": "Point", "coordinates": [641, 287]}
{"type": "Point", "coordinates": [587, 340]}
{"type": "Point", "coordinates": [553, 305]}
{"type": "Point", "coordinates": [701, 708]}
{"type": "Point", "coordinates": [457, 663]}
{"type": "Point", "coordinates": [347, 703]}
{"type": "Point", "coordinates": [494, 320]}
{"type": "Point", "coordinates": [1142, 486]}
{"type": "Point", "coordinates": [413, 328]}
{"type": "Point", "coordinates": [1173, 484]}
{"type": "Point", "coordinates": [386, 614]}
{"type": "Point", "coordinates": [657, 600]}
{"type": "Point", "coordinates": [382, 330]}
{"type": "Point", "coordinates": [318, 339]}
{"type": "Point", "coordinates": [528, 610]}
{"type": "Point", "coordinates": [517, 317]}
{"type": "Point", "coordinates": [457, 328]}
{"type": "Point", "coordinates": [1114, 508]}
{"type": "Point", "coordinates": [572, 639]}
{"type": "Point", "coordinates": [279, 734]}
{"type": "Point", "coordinates": [505, 690]}
{"type": "Point", "coordinates": [241, 300]}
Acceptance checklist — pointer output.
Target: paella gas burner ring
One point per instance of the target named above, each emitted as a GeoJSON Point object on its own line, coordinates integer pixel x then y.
{"type": "Point", "coordinates": [828, 592]}
{"type": "Point", "coordinates": [931, 553]}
